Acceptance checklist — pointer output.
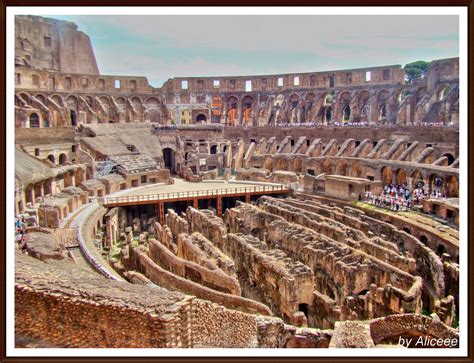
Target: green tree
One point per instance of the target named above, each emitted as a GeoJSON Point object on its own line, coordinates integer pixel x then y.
{"type": "Point", "coordinates": [415, 70]}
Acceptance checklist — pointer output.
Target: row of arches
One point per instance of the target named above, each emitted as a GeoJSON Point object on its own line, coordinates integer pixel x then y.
{"type": "Point", "coordinates": [104, 108]}
{"type": "Point", "coordinates": [430, 181]}
{"type": "Point", "coordinates": [62, 160]}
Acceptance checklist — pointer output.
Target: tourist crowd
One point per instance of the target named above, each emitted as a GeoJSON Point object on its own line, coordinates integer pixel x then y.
{"type": "Point", "coordinates": [321, 125]}
{"type": "Point", "coordinates": [398, 197]}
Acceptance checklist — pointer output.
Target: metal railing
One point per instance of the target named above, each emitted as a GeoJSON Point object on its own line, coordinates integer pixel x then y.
{"type": "Point", "coordinates": [194, 194]}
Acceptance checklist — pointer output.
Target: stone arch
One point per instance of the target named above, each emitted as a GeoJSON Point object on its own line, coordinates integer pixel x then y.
{"type": "Point", "coordinates": [33, 120]}
{"type": "Point", "coordinates": [341, 167]}
{"type": "Point", "coordinates": [401, 176]}
{"type": "Point", "coordinates": [169, 159]}
{"type": "Point", "coordinates": [386, 175]}
{"type": "Point", "coordinates": [382, 112]}
{"type": "Point", "coordinates": [326, 166]}
{"type": "Point", "coordinates": [435, 183]}
{"type": "Point", "coordinates": [440, 250]}
{"type": "Point", "coordinates": [58, 99]}
{"type": "Point", "coordinates": [153, 107]}
{"type": "Point", "coordinates": [247, 104]}
{"type": "Point", "coordinates": [121, 103]}
{"type": "Point", "coordinates": [232, 104]}
{"type": "Point", "coordinates": [363, 104]}
{"type": "Point", "coordinates": [201, 118]}
{"type": "Point", "coordinates": [389, 329]}
{"type": "Point", "coordinates": [424, 240]}
{"type": "Point", "coordinates": [73, 106]}
{"type": "Point", "coordinates": [52, 158]}
{"type": "Point", "coordinates": [345, 105]}
{"type": "Point", "coordinates": [419, 94]}
{"type": "Point", "coordinates": [282, 164]}
{"type": "Point", "coordinates": [268, 164]}
{"type": "Point", "coordinates": [62, 159]}
{"type": "Point", "coordinates": [443, 91]}
{"type": "Point", "coordinates": [137, 104]}
{"type": "Point", "coordinates": [24, 95]}
{"type": "Point", "coordinates": [294, 99]}
{"type": "Point", "coordinates": [309, 102]}
{"type": "Point", "coordinates": [41, 98]}
{"type": "Point", "coordinates": [452, 187]}
{"type": "Point", "coordinates": [417, 178]}
{"type": "Point", "coordinates": [72, 102]}
{"type": "Point", "coordinates": [105, 101]}
{"type": "Point", "coordinates": [89, 101]}
{"type": "Point", "coordinates": [80, 176]}
{"type": "Point", "coordinates": [213, 149]}
{"type": "Point", "coordinates": [356, 170]}
{"type": "Point", "coordinates": [346, 113]}
{"type": "Point", "coordinates": [450, 158]}
{"type": "Point", "coordinates": [297, 165]}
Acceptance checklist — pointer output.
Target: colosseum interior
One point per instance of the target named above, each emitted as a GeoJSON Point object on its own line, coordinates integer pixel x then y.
{"type": "Point", "coordinates": [250, 212]}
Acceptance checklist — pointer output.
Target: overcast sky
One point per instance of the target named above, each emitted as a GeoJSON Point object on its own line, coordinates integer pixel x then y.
{"type": "Point", "coordinates": [161, 47]}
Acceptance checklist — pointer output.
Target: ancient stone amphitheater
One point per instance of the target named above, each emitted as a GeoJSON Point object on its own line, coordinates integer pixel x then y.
{"type": "Point", "coordinates": [231, 211]}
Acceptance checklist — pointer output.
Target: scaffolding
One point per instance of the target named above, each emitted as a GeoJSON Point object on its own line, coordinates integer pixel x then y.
{"type": "Point", "coordinates": [106, 167]}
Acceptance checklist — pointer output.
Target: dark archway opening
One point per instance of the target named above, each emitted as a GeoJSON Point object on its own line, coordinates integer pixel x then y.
{"type": "Point", "coordinates": [328, 114]}
{"type": "Point", "coordinates": [346, 113]}
{"type": "Point", "coordinates": [52, 159]}
{"type": "Point", "coordinates": [304, 308]}
{"type": "Point", "coordinates": [424, 240]}
{"type": "Point", "coordinates": [407, 230]}
{"type": "Point", "coordinates": [169, 159]}
{"type": "Point", "coordinates": [213, 149]}
{"type": "Point", "coordinates": [450, 158]}
{"type": "Point", "coordinates": [441, 249]}
{"type": "Point", "coordinates": [73, 118]}
{"type": "Point", "coordinates": [34, 120]}
{"type": "Point", "coordinates": [62, 159]}
{"type": "Point", "coordinates": [201, 118]}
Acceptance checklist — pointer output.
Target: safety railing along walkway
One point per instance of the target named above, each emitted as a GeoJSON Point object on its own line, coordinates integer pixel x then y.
{"type": "Point", "coordinates": [109, 201]}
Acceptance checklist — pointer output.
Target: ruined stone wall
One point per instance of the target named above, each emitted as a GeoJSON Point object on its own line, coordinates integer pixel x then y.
{"type": "Point", "coordinates": [82, 323]}
{"type": "Point", "coordinates": [347, 78]}
{"type": "Point", "coordinates": [360, 284]}
{"type": "Point", "coordinates": [52, 44]}
{"type": "Point", "coordinates": [281, 283]}
{"type": "Point", "coordinates": [413, 133]}
{"type": "Point", "coordinates": [169, 280]}
{"type": "Point", "coordinates": [214, 279]}
{"type": "Point", "coordinates": [199, 249]}
{"type": "Point", "coordinates": [206, 223]}
{"type": "Point", "coordinates": [68, 306]}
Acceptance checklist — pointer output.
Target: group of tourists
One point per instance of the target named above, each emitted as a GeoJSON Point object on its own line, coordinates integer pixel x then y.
{"type": "Point", "coordinates": [398, 197]}
{"type": "Point", "coordinates": [393, 197]}
{"type": "Point", "coordinates": [20, 232]}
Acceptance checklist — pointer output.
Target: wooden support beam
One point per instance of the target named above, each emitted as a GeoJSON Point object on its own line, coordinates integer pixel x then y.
{"type": "Point", "coordinates": [247, 198]}
{"type": "Point", "coordinates": [161, 212]}
{"type": "Point", "coordinates": [219, 206]}
{"type": "Point", "coordinates": [195, 203]}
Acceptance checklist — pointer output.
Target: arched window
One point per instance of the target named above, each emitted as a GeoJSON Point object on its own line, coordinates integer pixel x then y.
{"type": "Point", "coordinates": [201, 118]}
{"type": "Point", "coordinates": [62, 159]}
{"type": "Point", "coordinates": [34, 120]}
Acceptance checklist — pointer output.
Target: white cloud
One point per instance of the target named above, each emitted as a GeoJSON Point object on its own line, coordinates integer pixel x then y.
{"type": "Point", "coordinates": [315, 34]}
{"type": "Point", "coordinates": [265, 44]}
